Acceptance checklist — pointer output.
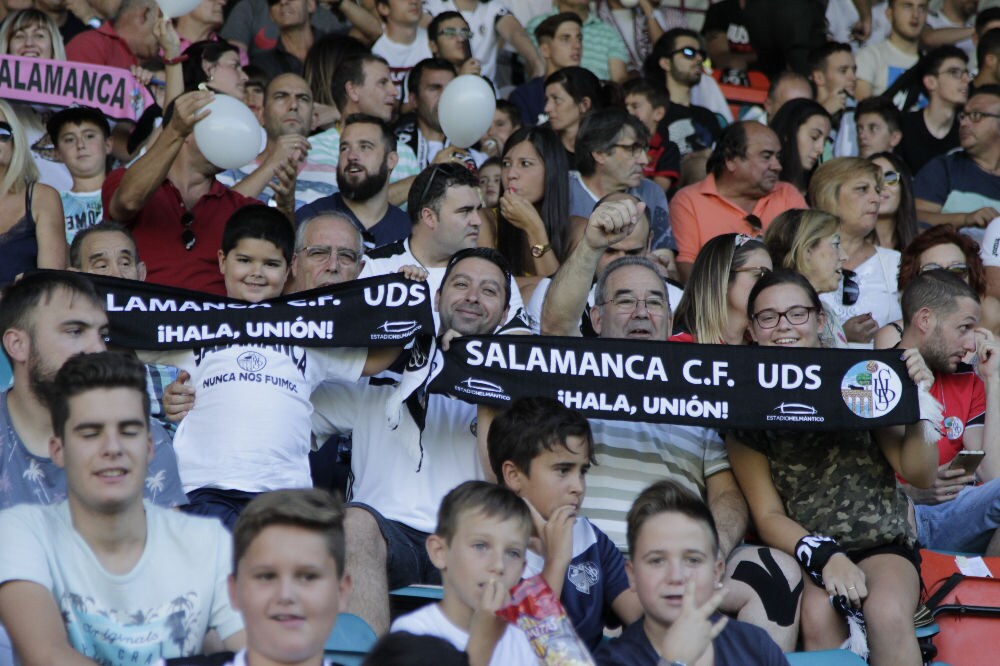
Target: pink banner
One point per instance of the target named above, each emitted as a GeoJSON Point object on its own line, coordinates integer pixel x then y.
{"type": "Point", "coordinates": [66, 83]}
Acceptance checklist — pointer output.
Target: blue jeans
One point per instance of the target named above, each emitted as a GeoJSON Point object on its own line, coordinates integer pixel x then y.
{"type": "Point", "coordinates": [964, 524]}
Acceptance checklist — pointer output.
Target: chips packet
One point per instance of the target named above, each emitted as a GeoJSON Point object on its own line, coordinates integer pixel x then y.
{"type": "Point", "coordinates": [536, 610]}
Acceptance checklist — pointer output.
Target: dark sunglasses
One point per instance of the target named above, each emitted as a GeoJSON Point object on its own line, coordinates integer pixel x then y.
{"type": "Point", "coordinates": [852, 290]}
{"type": "Point", "coordinates": [690, 52]}
{"type": "Point", "coordinates": [959, 269]}
{"type": "Point", "coordinates": [754, 222]}
{"type": "Point", "coordinates": [187, 236]}
{"type": "Point", "coordinates": [6, 132]}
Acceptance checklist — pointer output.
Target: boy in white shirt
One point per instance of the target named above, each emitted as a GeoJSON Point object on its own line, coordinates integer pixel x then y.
{"type": "Point", "coordinates": [82, 139]}
{"type": "Point", "coordinates": [479, 546]}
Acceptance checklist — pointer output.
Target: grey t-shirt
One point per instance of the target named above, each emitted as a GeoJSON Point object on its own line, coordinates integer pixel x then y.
{"type": "Point", "coordinates": [582, 202]}
{"type": "Point", "coordinates": [29, 479]}
{"type": "Point", "coordinates": [250, 23]}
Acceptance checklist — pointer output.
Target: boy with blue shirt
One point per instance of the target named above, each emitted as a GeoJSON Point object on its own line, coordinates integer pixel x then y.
{"type": "Point", "coordinates": [542, 451]}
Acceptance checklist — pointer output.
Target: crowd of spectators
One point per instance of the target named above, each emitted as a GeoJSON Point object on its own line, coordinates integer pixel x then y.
{"type": "Point", "coordinates": [804, 173]}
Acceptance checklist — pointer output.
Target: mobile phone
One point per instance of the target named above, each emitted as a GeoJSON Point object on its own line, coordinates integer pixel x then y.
{"type": "Point", "coordinates": [967, 461]}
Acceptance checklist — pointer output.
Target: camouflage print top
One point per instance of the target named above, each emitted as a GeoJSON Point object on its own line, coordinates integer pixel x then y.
{"type": "Point", "coordinates": [837, 484]}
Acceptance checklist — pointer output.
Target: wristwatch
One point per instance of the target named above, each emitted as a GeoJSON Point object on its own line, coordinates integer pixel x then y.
{"type": "Point", "coordinates": [95, 22]}
{"type": "Point", "coordinates": [540, 250]}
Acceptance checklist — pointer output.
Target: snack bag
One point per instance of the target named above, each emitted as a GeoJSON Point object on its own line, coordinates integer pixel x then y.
{"type": "Point", "coordinates": [536, 610]}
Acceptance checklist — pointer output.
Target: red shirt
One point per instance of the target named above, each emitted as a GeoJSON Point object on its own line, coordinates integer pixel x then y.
{"type": "Point", "coordinates": [101, 47]}
{"type": "Point", "coordinates": [157, 230]}
{"type": "Point", "coordinates": [963, 396]}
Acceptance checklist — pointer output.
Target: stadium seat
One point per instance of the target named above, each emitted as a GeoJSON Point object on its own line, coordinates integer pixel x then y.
{"type": "Point", "coordinates": [349, 641]}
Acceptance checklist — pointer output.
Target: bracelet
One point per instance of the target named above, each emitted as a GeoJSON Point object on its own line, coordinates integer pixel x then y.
{"type": "Point", "coordinates": [176, 61]}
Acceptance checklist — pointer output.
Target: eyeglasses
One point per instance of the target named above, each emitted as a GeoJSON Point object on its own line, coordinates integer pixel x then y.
{"type": "Point", "coordinates": [633, 149]}
{"type": "Point", "coordinates": [890, 178]}
{"type": "Point", "coordinates": [450, 170]}
{"type": "Point", "coordinates": [464, 33]}
{"type": "Point", "coordinates": [976, 116]}
{"type": "Point", "coordinates": [794, 316]}
{"type": "Point", "coordinates": [690, 52]}
{"type": "Point", "coordinates": [627, 304]}
{"type": "Point", "coordinates": [852, 290]}
{"type": "Point", "coordinates": [754, 222]}
{"type": "Point", "coordinates": [187, 236]}
{"type": "Point", "coordinates": [757, 272]}
{"type": "Point", "coordinates": [6, 133]}
{"type": "Point", "coordinates": [321, 254]}
{"type": "Point", "coordinates": [959, 269]}
{"type": "Point", "coordinates": [955, 72]}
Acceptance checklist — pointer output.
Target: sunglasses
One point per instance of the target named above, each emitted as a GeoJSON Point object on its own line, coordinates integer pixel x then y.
{"type": "Point", "coordinates": [690, 52]}
{"type": "Point", "coordinates": [756, 271]}
{"type": "Point", "coordinates": [852, 290]}
{"type": "Point", "coordinates": [959, 269]}
{"type": "Point", "coordinates": [890, 178]}
{"type": "Point", "coordinates": [187, 235]}
{"type": "Point", "coordinates": [6, 132]}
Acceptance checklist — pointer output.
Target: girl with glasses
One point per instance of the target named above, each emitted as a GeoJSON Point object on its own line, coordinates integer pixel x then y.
{"type": "Point", "coordinates": [943, 247]}
{"type": "Point", "coordinates": [32, 228]}
{"type": "Point", "coordinates": [833, 497]}
{"type": "Point", "coordinates": [897, 213]}
{"type": "Point", "coordinates": [850, 188]}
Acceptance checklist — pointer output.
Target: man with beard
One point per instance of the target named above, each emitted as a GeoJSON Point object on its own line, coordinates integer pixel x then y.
{"type": "Point", "coordinates": [941, 314]}
{"type": "Point", "coordinates": [421, 130]}
{"type": "Point", "coordinates": [45, 318]}
{"type": "Point", "coordinates": [400, 475]}
{"type": "Point", "coordinates": [741, 193]}
{"type": "Point", "coordinates": [367, 157]}
{"type": "Point", "coordinates": [288, 117]}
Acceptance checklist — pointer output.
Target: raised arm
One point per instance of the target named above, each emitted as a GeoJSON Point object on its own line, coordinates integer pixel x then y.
{"type": "Point", "coordinates": [567, 295]}
{"type": "Point", "coordinates": [148, 172]}
{"type": "Point", "coordinates": [514, 34]}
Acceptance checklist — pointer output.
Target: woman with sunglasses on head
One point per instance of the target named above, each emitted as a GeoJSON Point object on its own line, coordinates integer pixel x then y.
{"type": "Point", "coordinates": [32, 229]}
{"type": "Point", "coordinates": [830, 498]}
{"type": "Point", "coordinates": [897, 213]}
{"type": "Point", "coordinates": [802, 126]}
{"type": "Point", "coordinates": [713, 308]}
{"type": "Point", "coordinates": [569, 94]}
{"type": "Point", "coordinates": [849, 187]}
{"type": "Point", "coordinates": [808, 242]}
{"type": "Point", "coordinates": [943, 247]}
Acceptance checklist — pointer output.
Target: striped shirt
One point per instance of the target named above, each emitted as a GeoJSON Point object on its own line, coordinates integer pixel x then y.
{"type": "Point", "coordinates": [632, 455]}
{"type": "Point", "coordinates": [601, 43]}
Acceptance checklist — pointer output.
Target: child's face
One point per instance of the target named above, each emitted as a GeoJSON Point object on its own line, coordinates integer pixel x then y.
{"type": "Point", "coordinates": [489, 183]}
{"type": "Point", "coordinates": [82, 148]}
{"type": "Point", "coordinates": [483, 548]}
{"type": "Point", "coordinates": [254, 270]}
{"type": "Point", "coordinates": [556, 478]}
{"type": "Point", "coordinates": [289, 592]}
{"type": "Point", "coordinates": [672, 549]}
{"type": "Point", "coordinates": [640, 107]}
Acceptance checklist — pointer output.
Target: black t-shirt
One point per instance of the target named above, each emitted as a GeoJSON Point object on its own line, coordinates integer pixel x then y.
{"type": "Point", "coordinates": [692, 127]}
{"type": "Point", "coordinates": [919, 146]}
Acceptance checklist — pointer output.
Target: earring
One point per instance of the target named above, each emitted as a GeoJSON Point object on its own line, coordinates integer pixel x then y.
{"type": "Point", "coordinates": [718, 585]}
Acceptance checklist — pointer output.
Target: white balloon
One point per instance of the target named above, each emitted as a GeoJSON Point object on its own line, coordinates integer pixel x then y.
{"type": "Point", "coordinates": [175, 8]}
{"type": "Point", "coordinates": [229, 137]}
{"type": "Point", "coordinates": [466, 109]}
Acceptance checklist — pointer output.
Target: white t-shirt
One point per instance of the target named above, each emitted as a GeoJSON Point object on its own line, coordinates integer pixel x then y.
{"type": "Point", "coordinates": [82, 210]}
{"type": "Point", "coordinates": [482, 21]}
{"type": "Point", "coordinates": [881, 64]}
{"type": "Point", "coordinates": [249, 429]}
{"type": "Point", "coordinates": [390, 258]}
{"type": "Point", "coordinates": [877, 277]}
{"type": "Point", "coordinates": [162, 608]}
{"type": "Point", "coordinates": [512, 649]}
{"type": "Point", "coordinates": [403, 473]}
{"type": "Point", "coordinates": [989, 247]}
{"type": "Point", "coordinates": [402, 57]}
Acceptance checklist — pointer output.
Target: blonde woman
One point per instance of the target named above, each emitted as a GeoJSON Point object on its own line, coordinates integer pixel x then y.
{"type": "Point", "coordinates": [32, 231]}
{"type": "Point", "coordinates": [32, 34]}
{"type": "Point", "coordinates": [868, 297]}
{"type": "Point", "coordinates": [808, 242]}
